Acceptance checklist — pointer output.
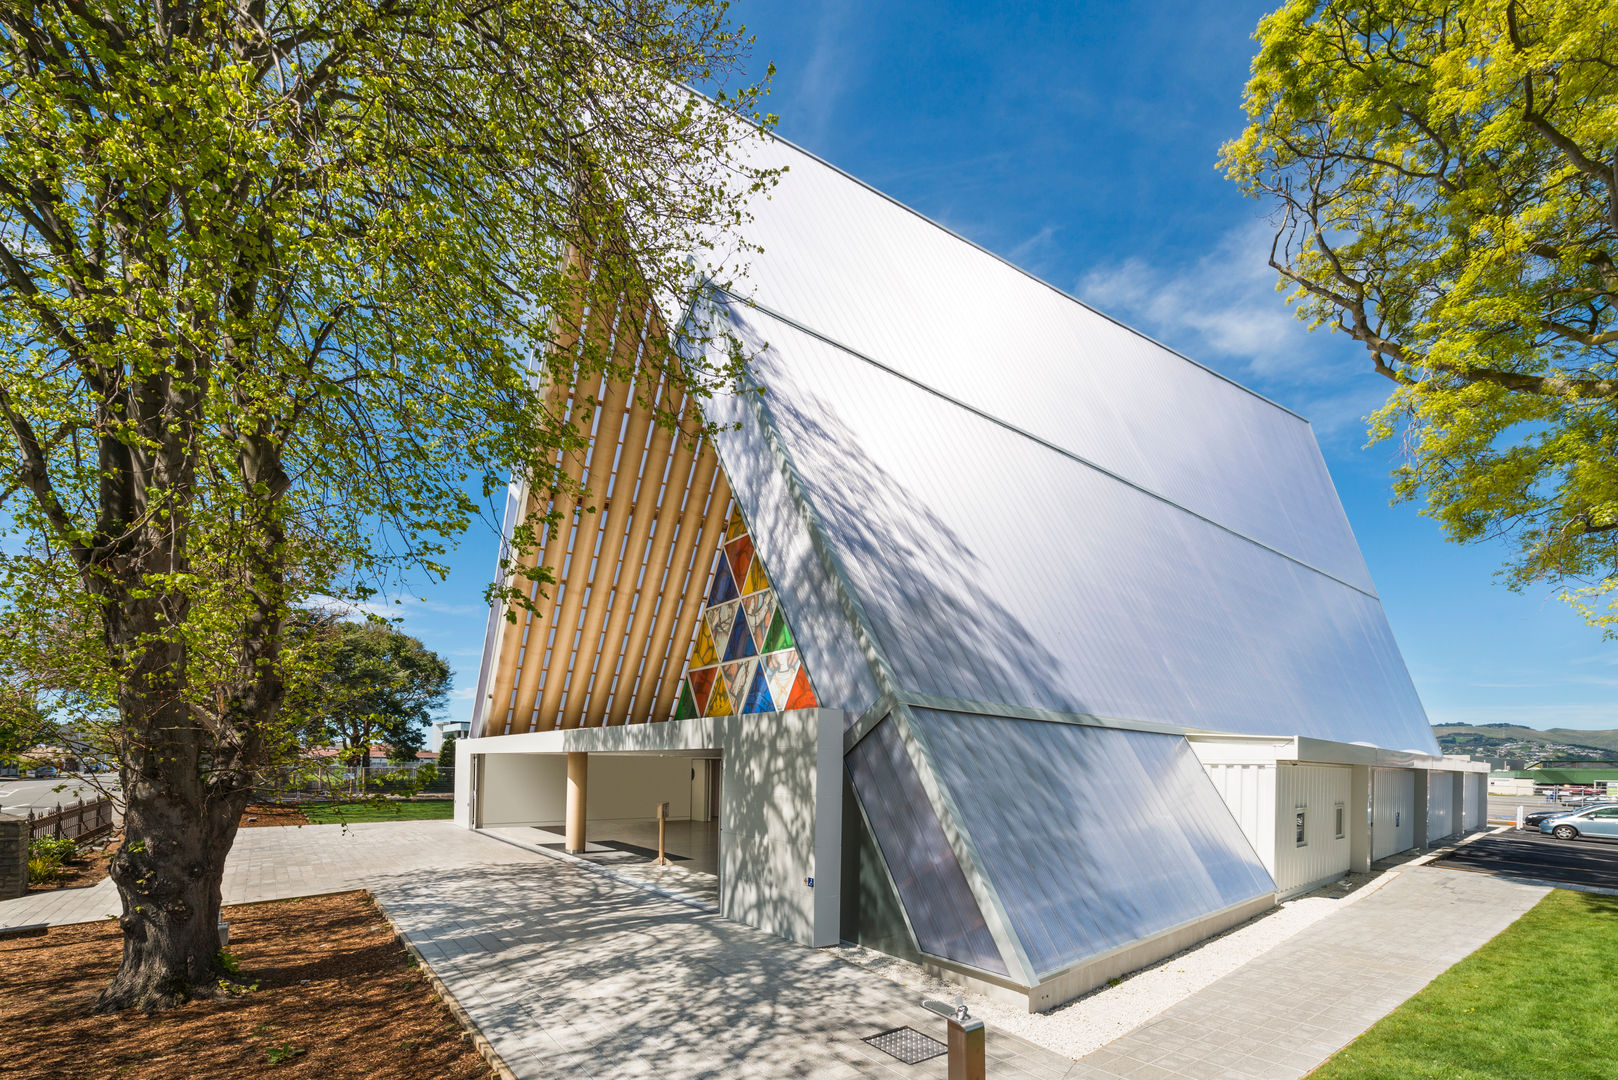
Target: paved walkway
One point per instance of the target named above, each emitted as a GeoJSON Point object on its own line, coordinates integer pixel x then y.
{"type": "Point", "coordinates": [1279, 1016]}
{"type": "Point", "coordinates": [569, 973]}
{"type": "Point", "coordinates": [276, 863]}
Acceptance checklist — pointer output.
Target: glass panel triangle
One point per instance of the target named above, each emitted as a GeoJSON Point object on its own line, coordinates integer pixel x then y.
{"type": "Point", "coordinates": [737, 526]}
{"type": "Point", "coordinates": [724, 585]}
{"type": "Point", "coordinates": [758, 609]}
{"type": "Point", "coordinates": [702, 681]}
{"type": "Point", "coordinates": [780, 636]}
{"type": "Point", "coordinates": [740, 554]}
{"type": "Point", "coordinates": [687, 707]}
{"type": "Point", "coordinates": [780, 669]}
{"type": "Point", "coordinates": [721, 619]}
{"type": "Point", "coordinates": [741, 640]}
{"type": "Point", "coordinates": [756, 579]}
{"type": "Point", "coordinates": [702, 653]}
{"type": "Point", "coordinates": [802, 696]}
{"type": "Point", "coordinates": [738, 677]}
{"type": "Point", "coordinates": [758, 695]}
{"type": "Point", "coordinates": [719, 704]}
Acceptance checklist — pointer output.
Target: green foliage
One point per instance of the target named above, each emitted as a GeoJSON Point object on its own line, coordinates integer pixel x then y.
{"type": "Point", "coordinates": [1445, 179]}
{"type": "Point", "coordinates": [343, 813]}
{"type": "Point", "coordinates": [42, 870]}
{"type": "Point", "coordinates": [280, 1055]}
{"type": "Point", "coordinates": [1528, 1005]}
{"type": "Point", "coordinates": [228, 962]}
{"type": "Point", "coordinates": [368, 682]}
{"type": "Point", "coordinates": [446, 755]}
{"type": "Point", "coordinates": [59, 849]}
{"type": "Point", "coordinates": [282, 289]}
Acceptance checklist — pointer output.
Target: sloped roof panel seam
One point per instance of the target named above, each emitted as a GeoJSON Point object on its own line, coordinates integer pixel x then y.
{"type": "Point", "coordinates": [1046, 443]}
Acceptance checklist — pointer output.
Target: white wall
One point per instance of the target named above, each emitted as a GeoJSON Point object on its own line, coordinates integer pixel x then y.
{"type": "Point", "coordinates": [521, 789]}
{"type": "Point", "coordinates": [1318, 792]}
{"type": "Point", "coordinates": [1393, 800]}
{"type": "Point", "coordinates": [624, 786]}
{"type": "Point", "coordinates": [1249, 792]}
{"type": "Point", "coordinates": [1476, 802]}
{"type": "Point", "coordinates": [1440, 805]}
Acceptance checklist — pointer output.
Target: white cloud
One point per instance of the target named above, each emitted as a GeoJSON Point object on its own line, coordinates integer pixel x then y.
{"type": "Point", "coordinates": [1222, 309]}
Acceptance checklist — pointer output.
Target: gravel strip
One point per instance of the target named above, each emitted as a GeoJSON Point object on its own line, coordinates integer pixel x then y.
{"type": "Point", "coordinates": [1090, 1022]}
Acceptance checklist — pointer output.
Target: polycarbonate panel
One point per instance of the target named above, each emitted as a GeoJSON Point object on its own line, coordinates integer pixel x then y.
{"type": "Point", "coordinates": [945, 917]}
{"type": "Point", "coordinates": [1092, 838]}
{"type": "Point", "coordinates": [992, 567]}
{"type": "Point", "coordinates": [854, 265]}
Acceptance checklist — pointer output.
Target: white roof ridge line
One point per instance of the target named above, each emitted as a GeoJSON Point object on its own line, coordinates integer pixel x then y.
{"type": "Point", "coordinates": [1064, 451]}
{"type": "Point", "coordinates": [1030, 275]}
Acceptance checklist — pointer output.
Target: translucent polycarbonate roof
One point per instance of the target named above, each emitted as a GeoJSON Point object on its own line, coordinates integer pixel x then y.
{"type": "Point", "coordinates": [1091, 838]}
{"type": "Point", "coordinates": [988, 565]}
{"type": "Point", "coordinates": [852, 264]}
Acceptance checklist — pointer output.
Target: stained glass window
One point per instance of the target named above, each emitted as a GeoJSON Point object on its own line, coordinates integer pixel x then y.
{"type": "Point", "coordinates": [744, 658]}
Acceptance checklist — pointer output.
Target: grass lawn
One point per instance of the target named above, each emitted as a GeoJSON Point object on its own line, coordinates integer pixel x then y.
{"type": "Point", "coordinates": [336, 813]}
{"type": "Point", "coordinates": [1538, 1002]}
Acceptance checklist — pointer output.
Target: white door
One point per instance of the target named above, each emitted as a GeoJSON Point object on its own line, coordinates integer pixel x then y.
{"type": "Point", "coordinates": [1440, 805]}
{"type": "Point", "coordinates": [1393, 797]}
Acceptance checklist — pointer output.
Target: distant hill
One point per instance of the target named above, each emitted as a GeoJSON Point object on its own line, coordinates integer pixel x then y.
{"type": "Point", "coordinates": [1515, 740]}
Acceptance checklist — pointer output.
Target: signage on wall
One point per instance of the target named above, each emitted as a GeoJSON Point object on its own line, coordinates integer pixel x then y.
{"type": "Point", "coordinates": [809, 881]}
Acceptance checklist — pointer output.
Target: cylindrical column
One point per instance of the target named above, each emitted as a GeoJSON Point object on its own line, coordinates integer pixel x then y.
{"type": "Point", "coordinates": [578, 778]}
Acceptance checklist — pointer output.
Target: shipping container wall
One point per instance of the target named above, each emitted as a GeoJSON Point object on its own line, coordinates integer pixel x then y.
{"type": "Point", "coordinates": [1477, 801]}
{"type": "Point", "coordinates": [1249, 791]}
{"type": "Point", "coordinates": [1312, 825]}
{"type": "Point", "coordinates": [1440, 805]}
{"type": "Point", "coordinates": [1393, 801]}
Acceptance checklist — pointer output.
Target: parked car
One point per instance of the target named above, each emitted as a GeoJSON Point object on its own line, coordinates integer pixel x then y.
{"type": "Point", "coordinates": [1584, 799]}
{"type": "Point", "coordinates": [1599, 821]}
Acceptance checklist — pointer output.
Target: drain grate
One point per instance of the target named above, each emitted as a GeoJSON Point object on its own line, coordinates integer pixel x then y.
{"type": "Point", "coordinates": [907, 1044]}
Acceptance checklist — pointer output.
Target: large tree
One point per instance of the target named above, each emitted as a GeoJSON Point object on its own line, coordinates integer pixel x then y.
{"type": "Point", "coordinates": [1445, 180]}
{"type": "Point", "coordinates": [371, 682]}
{"type": "Point", "coordinates": [281, 284]}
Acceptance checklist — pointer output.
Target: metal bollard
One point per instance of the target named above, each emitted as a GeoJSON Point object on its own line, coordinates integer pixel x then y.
{"type": "Point", "coordinates": [967, 1041]}
{"type": "Point", "coordinates": [1521, 812]}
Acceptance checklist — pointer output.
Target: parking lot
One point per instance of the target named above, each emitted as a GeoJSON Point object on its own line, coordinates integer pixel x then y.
{"type": "Point", "coordinates": [1586, 863]}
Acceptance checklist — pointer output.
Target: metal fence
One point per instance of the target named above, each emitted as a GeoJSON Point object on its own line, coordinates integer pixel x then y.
{"type": "Point", "coordinates": [84, 820]}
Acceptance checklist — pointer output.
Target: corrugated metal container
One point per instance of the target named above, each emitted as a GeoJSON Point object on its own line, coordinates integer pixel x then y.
{"type": "Point", "coordinates": [993, 567]}
{"type": "Point", "coordinates": [1476, 801]}
{"type": "Point", "coordinates": [1249, 793]}
{"type": "Point", "coordinates": [1311, 825]}
{"type": "Point", "coordinates": [1393, 803]}
{"type": "Point", "coordinates": [1440, 805]}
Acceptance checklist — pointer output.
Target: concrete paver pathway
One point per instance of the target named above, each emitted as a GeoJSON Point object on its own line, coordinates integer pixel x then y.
{"type": "Point", "coordinates": [1280, 1015]}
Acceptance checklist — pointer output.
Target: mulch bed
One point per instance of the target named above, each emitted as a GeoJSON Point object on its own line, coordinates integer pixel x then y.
{"type": "Point", "coordinates": [88, 867]}
{"type": "Point", "coordinates": [337, 997]}
{"type": "Point", "coordinates": [259, 816]}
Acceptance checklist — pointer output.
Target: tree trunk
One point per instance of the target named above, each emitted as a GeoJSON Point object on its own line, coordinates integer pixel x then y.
{"type": "Point", "coordinates": [168, 872]}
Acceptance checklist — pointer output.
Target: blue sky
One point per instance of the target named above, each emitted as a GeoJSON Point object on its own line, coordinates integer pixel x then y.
{"type": "Point", "coordinates": [1081, 144]}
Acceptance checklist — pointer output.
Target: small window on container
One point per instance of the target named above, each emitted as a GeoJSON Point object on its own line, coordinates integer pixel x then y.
{"type": "Point", "coordinates": [1342, 820]}
{"type": "Point", "coordinates": [1301, 832]}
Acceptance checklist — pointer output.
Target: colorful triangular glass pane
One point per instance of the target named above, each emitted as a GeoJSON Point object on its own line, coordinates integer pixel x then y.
{"type": "Point", "coordinates": [702, 652]}
{"type": "Point", "coordinates": [719, 704]}
{"type": "Point", "coordinates": [802, 696]}
{"type": "Point", "coordinates": [737, 526]}
{"type": "Point", "coordinates": [780, 668]}
{"type": "Point", "coordinates": [724, 586]}
{"type": "Point", "coordinates": [756, 578]}
{"type": "Point", "coordinates": [687, 707]}
{"type": "Point", "coordinates": [758, 695]}
{"type": "Point", "coordinates": [780, 635]}
{"type": "Point", "coordinates": [741, 639]}
{"type": "Point", "coordinates": [738, 677]}
{"type": "Point", "coordinates": [739, 553]}
{"type": "Point", "coordinates": [720, 620]}
{"type": "Point", "coordinates": [758, 609]}
{"type": "Point", "coordinates": [702, 680]}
